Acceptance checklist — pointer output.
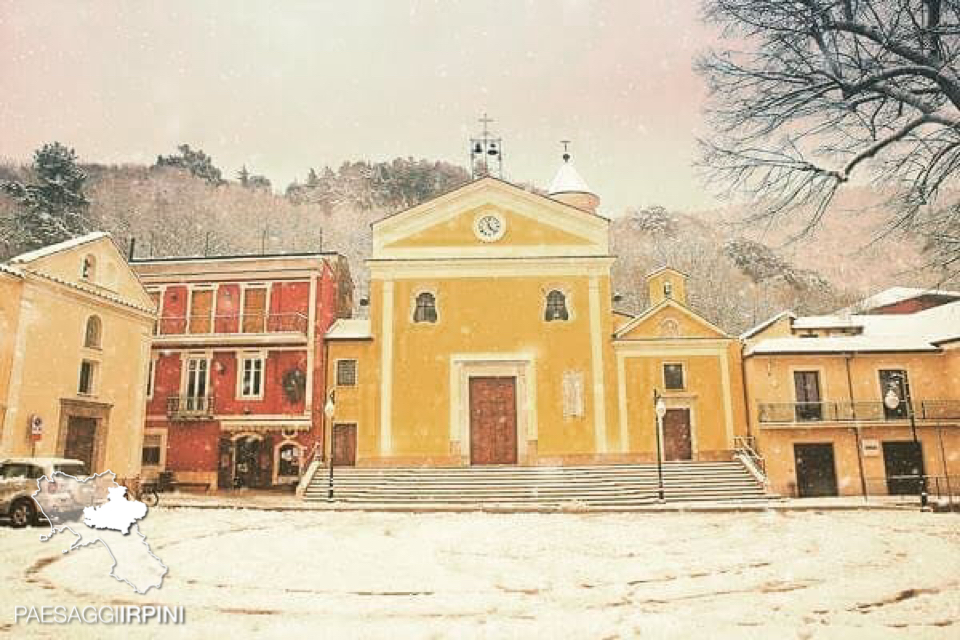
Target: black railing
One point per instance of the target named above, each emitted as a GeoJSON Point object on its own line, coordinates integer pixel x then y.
{"type": "Point", "coordinates": [190, 407]}
{"type": "Point", "coordinates": [938, 487]}
{"type": "Point", "coordinates": [877, 411]}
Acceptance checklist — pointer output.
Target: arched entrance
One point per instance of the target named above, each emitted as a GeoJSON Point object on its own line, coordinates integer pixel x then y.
{"type": "Point", "coordinates": [251, 458]}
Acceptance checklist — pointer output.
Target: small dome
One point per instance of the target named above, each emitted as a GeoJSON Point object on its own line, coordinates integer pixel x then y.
{"type": "Point", "coordinates": [568, 187]}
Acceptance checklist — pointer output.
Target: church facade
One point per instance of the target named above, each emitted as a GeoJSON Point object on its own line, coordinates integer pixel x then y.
{"type": "Point", "coordinates": [492, 340]}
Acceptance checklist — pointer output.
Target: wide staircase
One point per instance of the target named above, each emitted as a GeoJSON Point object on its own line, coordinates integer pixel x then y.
{"type": "Point", "coordinates": [610, 486]}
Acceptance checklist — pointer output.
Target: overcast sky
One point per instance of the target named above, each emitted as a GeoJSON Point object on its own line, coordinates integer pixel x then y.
{"type": "Point", "coordinates": [283, 86]}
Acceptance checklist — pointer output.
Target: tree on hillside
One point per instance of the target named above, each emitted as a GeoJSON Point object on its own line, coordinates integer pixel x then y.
{"type": "Point", "coordinates": [196, 162]}
{"type": "Point", "coordinates": [398, 184]}
{"type": "Point", "coordinates": [52, 209]}
{"type": "Point", "coordinates": [810, 95]}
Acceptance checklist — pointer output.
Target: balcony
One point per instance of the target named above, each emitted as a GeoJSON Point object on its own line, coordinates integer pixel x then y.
{"type": "Point", "coordinates": [237, 327]}
{"type": "Point", "coordinates": [190, 407]}
{"type": "Point", "coordinates": [870, 411]}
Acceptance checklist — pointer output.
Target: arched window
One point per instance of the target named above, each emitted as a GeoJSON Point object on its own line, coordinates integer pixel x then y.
{"type": "Point", "coordinates": [426, 310]}
{"type": "Point", "coordinates": [556, 307]}
{"type": "Point", "coordinates": [89, 269]}
{"type": "Point", "coordinates": [91, 338]}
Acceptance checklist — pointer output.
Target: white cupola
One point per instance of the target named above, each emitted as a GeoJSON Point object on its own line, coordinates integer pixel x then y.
{"type": "Point", "coordinates": [568, 187]}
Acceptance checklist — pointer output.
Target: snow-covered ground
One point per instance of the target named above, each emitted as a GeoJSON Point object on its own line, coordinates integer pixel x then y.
{"type": "Point", "coordinates": [868, 574]}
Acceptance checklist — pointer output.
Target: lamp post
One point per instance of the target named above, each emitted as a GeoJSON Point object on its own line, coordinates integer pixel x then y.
{"type": "Point", "coordinates": [891, 401]}
{"type": "Point", "coordinates": [328, 410]}
{"type": "Point", "coordinates": [660, 408]}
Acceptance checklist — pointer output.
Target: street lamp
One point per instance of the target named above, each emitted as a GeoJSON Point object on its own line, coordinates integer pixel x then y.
{"type": "Point", "coordinates": [892, 401]}
{"type": "Point", "coordinates": [328, 410]}
{"type": "Point", "coordinates": [660, 408]}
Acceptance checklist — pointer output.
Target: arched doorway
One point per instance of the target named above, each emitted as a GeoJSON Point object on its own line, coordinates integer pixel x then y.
{"type": "Point", "coordinates": [252, 461]}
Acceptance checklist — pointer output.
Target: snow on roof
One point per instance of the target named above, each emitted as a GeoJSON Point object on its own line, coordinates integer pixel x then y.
{"type": "Point", "coordinates": [843, 344]}
{"type": "Point", "coordinates": [6, 268]}
{"type": "Point", "coordinates": [49, 250]}
{"type": "Point", "coordinates": [920, 331]}
{"type": "Point", "coordinates": [749, 333]}
{"type": "Point", "coordinates": [827, 322]}
{"type": "Point", "coordinates": [893, 295]}
{"type": "Point", "coordinates": [350, 329]}
{"type": "Point", "coordinates": [568, 180]}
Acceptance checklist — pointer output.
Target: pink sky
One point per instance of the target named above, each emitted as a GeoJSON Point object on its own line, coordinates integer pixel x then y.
{"type": "Point", "coordinates": [282, 86]}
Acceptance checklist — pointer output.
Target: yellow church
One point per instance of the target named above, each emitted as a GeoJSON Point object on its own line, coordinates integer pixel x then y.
{"type": "Point", "coordinates": [492, 340]}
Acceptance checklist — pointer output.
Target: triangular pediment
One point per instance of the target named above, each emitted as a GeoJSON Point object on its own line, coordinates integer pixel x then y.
{"type": "Point", "coordinates": [108, 275]}
{"type": "Point", "coordinates": [667, 320]}
{"type": "Point", "coordinates": [490, 218]}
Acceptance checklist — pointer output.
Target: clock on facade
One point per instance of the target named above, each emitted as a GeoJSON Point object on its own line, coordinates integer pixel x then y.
{"type": "Point", "coordinates": [489, 227]}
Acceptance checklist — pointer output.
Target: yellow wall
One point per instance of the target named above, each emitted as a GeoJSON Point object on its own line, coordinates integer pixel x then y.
{"type": "Point", "coordinates": [521, 231]}
{"type": "Point", "coordinates": [770, 379]}
{"type": "Point", "coordinates": [10, 288]}
{"type": "Point", "coordinates": [48, 351]}
{"type": "Point", "coordinates": [356, 404]}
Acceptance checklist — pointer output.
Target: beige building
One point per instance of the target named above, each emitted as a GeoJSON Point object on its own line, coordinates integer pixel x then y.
{"type": "Point", "coordinates": [836, 401]}
{"type": "Point", "coordinates": [75, 330]}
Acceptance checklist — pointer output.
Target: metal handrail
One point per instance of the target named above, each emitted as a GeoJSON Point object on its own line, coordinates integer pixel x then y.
{"type": "Point", "coordinates": [859, 411]}
{"type": "Point", "coordinates": [190, 406]}
{"type": "Point", "coordinates": [287, 322]}
{"type": "Point", "coordinates": [746, 446]}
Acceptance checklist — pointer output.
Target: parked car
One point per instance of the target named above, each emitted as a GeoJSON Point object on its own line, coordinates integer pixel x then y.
{"type": "Point", "coordinates": [18, 483]}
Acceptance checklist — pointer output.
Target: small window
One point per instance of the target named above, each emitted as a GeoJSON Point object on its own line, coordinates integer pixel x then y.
{"type": "Point", "coordinates": [556, 307]}
{"type": "Point", "coordinates": [346, 373]}
{"type": "Point", "coordinates": [251, 385]}
{"type": "Point", "coordinates": [289, 460]}
{"type": "Point", "coordinates": [87, 373]}
{"type": "Point", "coordinates": [151, 451]}
{"type": "Point", "coordinates": [426, 310]}
{"type": "Point", "coordinates": [668, 289]}
{"type": "Point", "coordinates": [673, 376]}
{"type": "Point", "coordinates": [91, 338]}
{"type": "Point", "coordinates": [89, 269]}
{"type": "Point", "coordinates": [151, 371]}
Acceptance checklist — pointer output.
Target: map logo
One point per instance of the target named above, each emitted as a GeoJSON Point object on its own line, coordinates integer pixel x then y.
{"type": "Point", "coordinates": [96, 510]}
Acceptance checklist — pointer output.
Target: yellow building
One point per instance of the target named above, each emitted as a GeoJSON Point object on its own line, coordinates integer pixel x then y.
{"type": "Point", "coordinates": [491, 339]}
{"type": "Point", "coordinates": [75, 328]}
{"type": "Point", "coordinates": [835, 400]}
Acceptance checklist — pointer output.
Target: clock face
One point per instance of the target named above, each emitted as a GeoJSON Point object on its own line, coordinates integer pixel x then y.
{"type": "Point", "coordinates": [490, 227]}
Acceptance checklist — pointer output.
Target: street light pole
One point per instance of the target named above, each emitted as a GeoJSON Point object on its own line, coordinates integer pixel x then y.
{"type": "Point", "coordinates": [660, 409]}
{"type": "Point", "coordinates": [328, 410]}
{"type": "Point", "coordinates": [892, 400]}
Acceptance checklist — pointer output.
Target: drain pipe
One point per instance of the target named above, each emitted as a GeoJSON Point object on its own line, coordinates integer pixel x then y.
{"type": "Point", "coordinates": [847, 357]}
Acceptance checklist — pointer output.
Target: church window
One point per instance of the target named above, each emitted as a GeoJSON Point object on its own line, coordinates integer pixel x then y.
{"type": "Point", "coordinates": [556, 307]}
{"type": "Point", "coordinates": [91, 338]}
{"type": "Point", "coordinates": [426, 308]}
{"type": "Point", "coordinates": [673, 376]}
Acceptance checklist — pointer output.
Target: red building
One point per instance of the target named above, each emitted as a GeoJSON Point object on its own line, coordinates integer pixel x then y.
{"type": "Point", "coordinates": [236, 386]}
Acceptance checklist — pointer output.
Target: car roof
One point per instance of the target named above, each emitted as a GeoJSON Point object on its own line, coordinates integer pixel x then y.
{"type": "Point", "coordinates": [41, 461]}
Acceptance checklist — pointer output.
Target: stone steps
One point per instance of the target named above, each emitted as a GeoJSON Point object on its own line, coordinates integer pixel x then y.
{"type": "Point", "coordinates": [534, 487]}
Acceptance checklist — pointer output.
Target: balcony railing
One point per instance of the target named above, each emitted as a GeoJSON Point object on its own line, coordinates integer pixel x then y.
{"type": "Point", "coordinates": [190, 407]}
{"type": "Point", "coordinates": [802, 412]}
{"type": "Point", "coordinates": [232, 323]}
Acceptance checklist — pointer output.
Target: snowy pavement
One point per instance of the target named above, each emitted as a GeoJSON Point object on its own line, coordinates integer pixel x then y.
{"type": "Point", "coordinates": [240, 573]}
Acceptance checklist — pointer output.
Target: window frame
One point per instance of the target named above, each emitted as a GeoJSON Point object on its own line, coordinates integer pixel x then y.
{"type": "Point", "coordinates": [356, 372]}
{"type": "Point", "coordinates": [98, 343]}
{"type": "Point", "coordinates": [566, 306]}
{"type": "Point", "coordinates": [91, 378]}
{"type": "Point", "coordinates": [151, 377]}
{"type": "Point", "coordinates": [162, 435]}
{"type": "Point", "coordinates": [683, 375]}
{"type": "Point", "coordinates": [242, 360]}
{"type": "Point", "coordinates": [88, 268]}
{"type": "Point", "coordinates": [415, 306]}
